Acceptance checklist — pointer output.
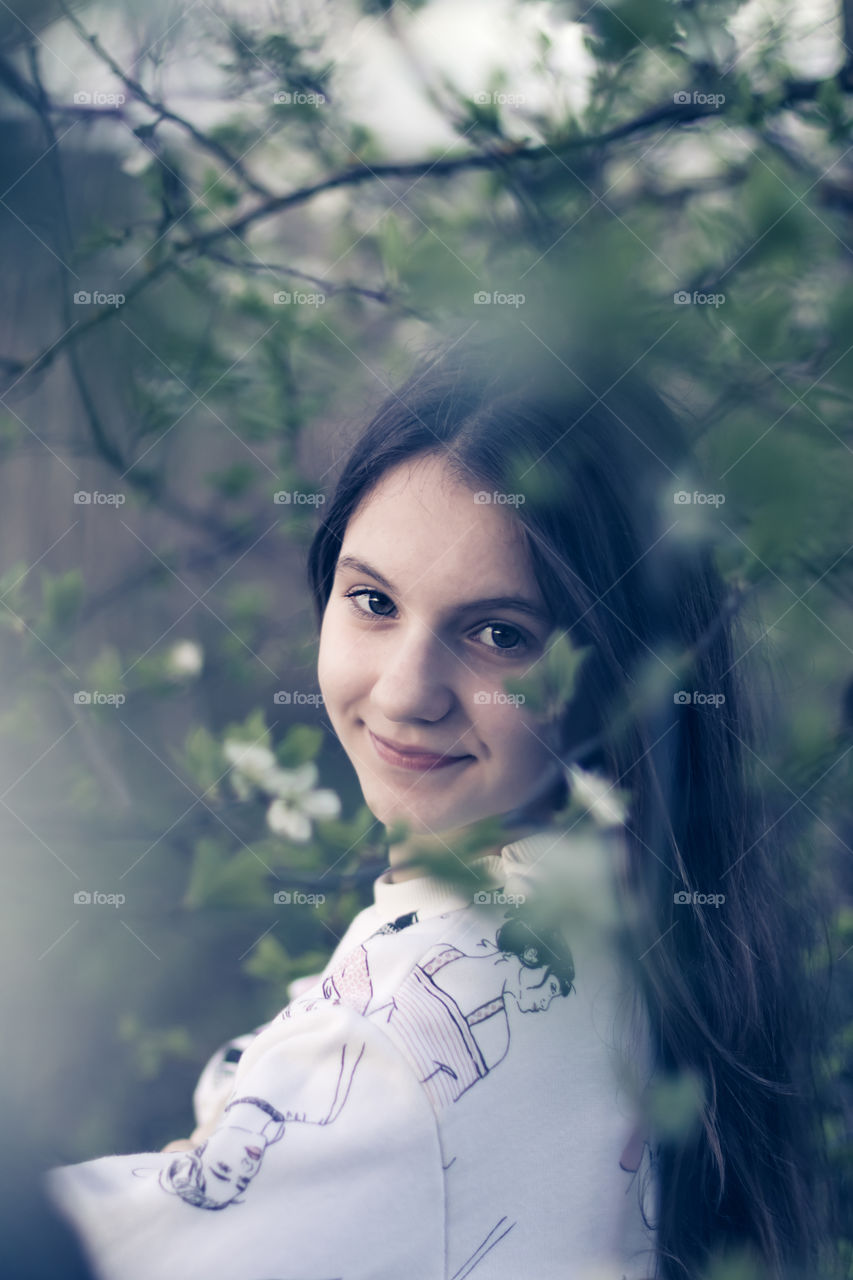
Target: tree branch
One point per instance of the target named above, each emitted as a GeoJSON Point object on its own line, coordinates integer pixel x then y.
{"type": "Point", "coordinates": [498, 157]}
{"type": "Point", "coordinates": [161, 110]}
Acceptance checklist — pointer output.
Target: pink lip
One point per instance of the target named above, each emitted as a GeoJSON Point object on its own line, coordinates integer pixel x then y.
{"type": "Point", "coordinates": [408, 757]}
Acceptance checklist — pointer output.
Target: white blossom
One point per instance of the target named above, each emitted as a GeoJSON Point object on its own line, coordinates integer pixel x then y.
{"type": "Point", "coordinates": [253, 764]}
{"type": "Point", "coordinates": [185, 659]}
{"type": "Point", "coordinates": [287, 821]}
{"type": "Point", "coordinates": [604, 802]}
{"type": "Point", "coordinates": [298, 801]}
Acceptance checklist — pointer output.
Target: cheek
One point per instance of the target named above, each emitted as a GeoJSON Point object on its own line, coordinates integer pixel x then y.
{"type": "Point", "coordinates": [514, 738]}
{"type": "Point", "coordinates": [340, 665]}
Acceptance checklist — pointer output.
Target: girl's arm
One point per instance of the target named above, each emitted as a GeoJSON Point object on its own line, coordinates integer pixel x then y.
{"type": "Point", "coordinates": [217, 1077]}
{"type": "Point", "coordinates": [357, 1193]}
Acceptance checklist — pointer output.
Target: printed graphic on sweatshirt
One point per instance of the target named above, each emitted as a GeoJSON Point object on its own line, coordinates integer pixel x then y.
{"type": "Point", "coordinates": [449, 1015]}
{"type": "Point", "coordinates": [217, 1172]}
{"type": "Point", "coordinates": [501, 1228]}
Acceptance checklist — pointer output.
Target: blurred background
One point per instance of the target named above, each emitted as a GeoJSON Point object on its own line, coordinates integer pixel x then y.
{"type": "Point", "coordinates": [225, 231]}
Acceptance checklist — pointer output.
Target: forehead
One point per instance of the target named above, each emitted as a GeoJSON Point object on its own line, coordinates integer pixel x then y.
{"type": "Point", "coordinates": [421, 519]}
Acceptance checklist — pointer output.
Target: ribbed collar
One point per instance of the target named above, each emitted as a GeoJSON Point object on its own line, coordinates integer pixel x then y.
{"type": "Point", "coordinates": [429, 895]}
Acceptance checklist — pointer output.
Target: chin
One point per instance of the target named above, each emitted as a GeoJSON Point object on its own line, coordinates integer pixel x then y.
{"type": "Point", "coordinates": [416, 824]}
{"type": "Point", "coordinates": [418, 821]}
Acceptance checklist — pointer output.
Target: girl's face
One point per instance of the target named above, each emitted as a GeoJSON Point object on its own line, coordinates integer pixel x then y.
{"type": "Point", "coordinates": [535, 989]}
{"type": "Point", "coordinates": [417, 638]}
{"type": "Point", "coordinates": [231, 1158]}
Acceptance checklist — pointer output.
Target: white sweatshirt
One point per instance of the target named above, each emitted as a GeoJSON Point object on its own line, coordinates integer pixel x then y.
{"type": "Point", "coordinates": [441, 1102]}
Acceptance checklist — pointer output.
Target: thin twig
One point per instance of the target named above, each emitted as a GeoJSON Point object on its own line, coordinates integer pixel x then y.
{"type": "Point", "coordinates": [161, 110]}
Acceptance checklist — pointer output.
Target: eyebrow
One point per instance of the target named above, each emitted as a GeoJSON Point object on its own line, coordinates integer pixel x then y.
{"type": "Point", "coordinates": [489, 602]}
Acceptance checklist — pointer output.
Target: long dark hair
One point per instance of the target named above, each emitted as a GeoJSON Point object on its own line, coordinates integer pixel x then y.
{"type": "Point", "coordinates": [599, 467]}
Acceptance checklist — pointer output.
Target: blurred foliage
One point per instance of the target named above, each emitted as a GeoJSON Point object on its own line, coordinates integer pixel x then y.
{"type": "Point", "coordinates": [686, 207]}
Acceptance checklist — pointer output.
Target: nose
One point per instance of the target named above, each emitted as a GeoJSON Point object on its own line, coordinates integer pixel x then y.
{"type": "Point", "coordinates": [416, 677]}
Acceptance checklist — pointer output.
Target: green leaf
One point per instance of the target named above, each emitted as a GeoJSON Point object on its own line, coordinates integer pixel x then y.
{"type": "Point", "coordinates": [252, 729]}
{"type": "Point", "coordinates": [62, 596]}
{"type": "Point", "coordinates": [624, 27]}
{"type": "Point", "coordinates": [300, 744]}
{"type": "Point", "coordinates": [104, 672]}
{"type": "Point", "coordinates": [392, 247]}
{"type": "Point", "coordinates": [674, 1105]}
{"type": "Point", "coordinates": [551, 683]}
{"type": "Point", "coordinates": [11, 594]}
{"type": "Point", "coordinates": [337, 833]}
{"type": "Point", "coordinates": [779, 220]}
{"type": "Point", "coordinates": [234, 481]}
{"type": "Point", "coordinates": [203, 760]}
{"type": "Point", "coordinates": [247, 606]}
{"type": "Point", "coordinates": [153, 1045]}
{"type": "Point", "coordinates": [453, 865]}
{"type": "Point", "coordinates": [270, 961]}
{"type": "Point", "coordinates": [220, 878]}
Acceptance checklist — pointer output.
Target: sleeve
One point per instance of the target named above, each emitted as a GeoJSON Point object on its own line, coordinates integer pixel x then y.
{"type": "Point", "coordinates": [325, 1164]}
{"type": "Point", "coordinates": [216, 1081]}
{"type": "Point", "coordinates": [217, 1076]}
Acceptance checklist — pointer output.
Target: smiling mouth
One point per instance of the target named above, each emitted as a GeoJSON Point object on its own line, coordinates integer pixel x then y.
{"type": "Point", "coordinates": [411, 758]}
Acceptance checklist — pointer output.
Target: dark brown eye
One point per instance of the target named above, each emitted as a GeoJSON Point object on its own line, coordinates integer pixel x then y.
{"type": "Point", "coordinates": [369, 612]}
{"type": "Point", "coordinates": [504, 629]}
{"type": "Point", "coordinates": [505, 637]}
